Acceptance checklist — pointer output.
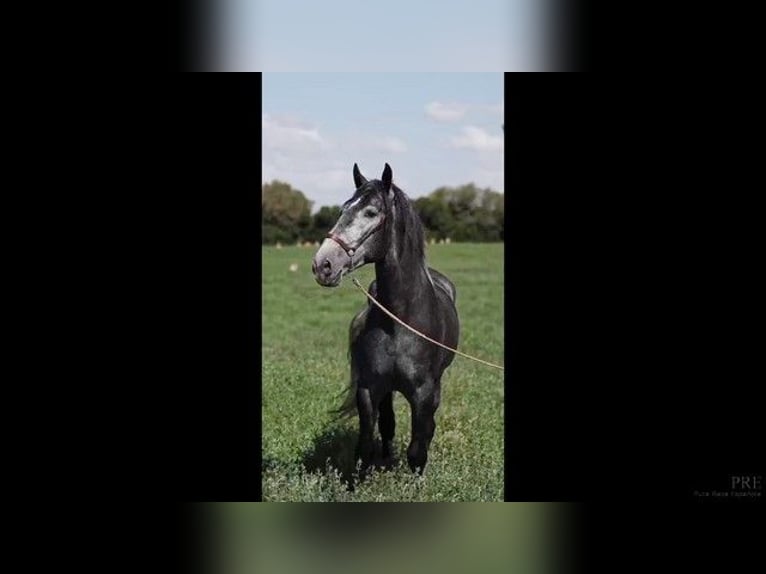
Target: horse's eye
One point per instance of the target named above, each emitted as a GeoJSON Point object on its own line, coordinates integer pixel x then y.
{"type": "Point", "coordinates": [370, 213]}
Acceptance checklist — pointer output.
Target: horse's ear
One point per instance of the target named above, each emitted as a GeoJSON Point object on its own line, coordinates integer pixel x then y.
{"type": "Point", "coordinates": [359, 179]}
{"type": "Point", "coordinates": [387, 177]}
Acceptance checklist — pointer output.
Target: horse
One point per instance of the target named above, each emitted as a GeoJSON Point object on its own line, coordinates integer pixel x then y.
{"type": "Point", "coordinates": [379, 225]}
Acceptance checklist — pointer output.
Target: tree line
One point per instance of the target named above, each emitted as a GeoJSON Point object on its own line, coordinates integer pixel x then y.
{"type": "Point", "coordinates": [465, 213]}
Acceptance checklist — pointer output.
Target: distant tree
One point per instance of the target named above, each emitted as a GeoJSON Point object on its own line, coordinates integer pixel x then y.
{"type": "Point", "coordinates": [436, 217]}
{"type": "Point", "coordinates": [493, 205]}
{"type": "Point", "coordinates": [325, 218]}
{"type": "Point", "coordinates": [463, 201]}
{"type": "Point", "coordinates": [270, 234]}
{"type": "Point", "coordinates": [464, 213]}
{"type": "Point", "coordinates": [286, 213]}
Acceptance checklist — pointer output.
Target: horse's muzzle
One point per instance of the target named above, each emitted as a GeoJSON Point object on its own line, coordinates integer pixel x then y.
{"type": "Point", "coordinates": [324, 273]}
{"type": "Point", "coordinates": [329, 263]}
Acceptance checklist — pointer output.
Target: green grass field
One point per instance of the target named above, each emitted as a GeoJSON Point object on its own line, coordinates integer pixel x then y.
{"type": "Point", "coordinates": [307, 455]}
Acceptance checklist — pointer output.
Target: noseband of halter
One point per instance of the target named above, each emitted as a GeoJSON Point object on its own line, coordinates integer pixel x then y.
{"type": "Point", "coordinates": [350, 249]}
{"type": "Point", "coordinates": [346, 247]}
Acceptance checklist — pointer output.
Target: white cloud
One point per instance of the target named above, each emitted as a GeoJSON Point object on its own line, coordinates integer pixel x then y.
{"type": "Point", "coordinates": [388, 144]}
{"type": "Point", "coordinates": [291, 135]}
{"type": "Point", "coordinates": [456, 111]}
{"type": "Point", "coordinates": [491, 177]}
{"type": "Point", "coordinates": [335, 179]}
{"type": "Point", "coordinates": [477, 139]}
{"type": "Point", "coordinates": [446, 111]}
{"type": "Point", "coordinates": [498, 109]}
{"type": "Point", "coordinates": [392, 144]}
{"type": "Point", "coordinates": [318, 162]}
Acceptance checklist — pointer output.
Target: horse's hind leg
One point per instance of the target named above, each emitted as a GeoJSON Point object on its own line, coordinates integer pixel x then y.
{"type": "Point", "coordinates": [387, 425]}
{"type": "Point", "coordinates": [424, 404]}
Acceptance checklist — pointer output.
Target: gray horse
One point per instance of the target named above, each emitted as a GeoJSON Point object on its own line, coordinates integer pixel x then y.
{"type": "Point", "coordinates": [378, 225]}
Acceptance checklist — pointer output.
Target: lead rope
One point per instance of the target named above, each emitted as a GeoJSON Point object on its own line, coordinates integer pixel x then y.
{"type": "Point", "coordinates": [395, 318]}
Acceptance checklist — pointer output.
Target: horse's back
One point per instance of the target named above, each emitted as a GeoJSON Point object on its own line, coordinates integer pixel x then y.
{"type": "Point", "coordinates": [446, 293]}
{"type": "Point", "coordinates": [441, 281]}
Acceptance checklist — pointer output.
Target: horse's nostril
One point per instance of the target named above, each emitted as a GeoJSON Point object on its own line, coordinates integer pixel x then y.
{"type": "Point", "coordinates": [326, 265]}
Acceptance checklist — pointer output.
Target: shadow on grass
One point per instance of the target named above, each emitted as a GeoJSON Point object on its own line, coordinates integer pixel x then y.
{"type": "Point", "coordinates": [337, 446]}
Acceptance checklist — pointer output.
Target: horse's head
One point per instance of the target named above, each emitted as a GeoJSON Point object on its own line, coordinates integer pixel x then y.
{"type": "Point", "coordinates": [357, 237]}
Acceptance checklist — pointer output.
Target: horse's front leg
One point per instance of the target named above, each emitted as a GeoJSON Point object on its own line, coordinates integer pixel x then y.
{"type": "Point", "coordinates": [424, 404]}
{"type": "Point", "coordinates": [387, 425]}
{"type": "Point", "coordinates": [367, 415]}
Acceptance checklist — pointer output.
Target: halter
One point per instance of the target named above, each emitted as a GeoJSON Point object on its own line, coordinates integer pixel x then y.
{"type": "Point", "coordinates": [349, 249]}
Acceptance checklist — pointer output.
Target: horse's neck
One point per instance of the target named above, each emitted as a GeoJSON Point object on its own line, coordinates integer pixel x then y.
{"type": "Point", "coordinates": [401, 281]}
{"type": "Point", "coordinates": [402, 277]}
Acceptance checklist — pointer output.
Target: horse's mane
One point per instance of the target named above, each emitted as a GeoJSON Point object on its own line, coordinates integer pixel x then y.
{"type": "Point", "coordinates": [409, 228]}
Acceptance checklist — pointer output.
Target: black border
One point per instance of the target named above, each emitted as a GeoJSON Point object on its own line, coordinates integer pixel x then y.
{"type": "Point", "coordinates": [547, 445]}
{"type": "Point", "coordinates": [216, 290]}
{"type": "Point", "coordinates": [631, 288]}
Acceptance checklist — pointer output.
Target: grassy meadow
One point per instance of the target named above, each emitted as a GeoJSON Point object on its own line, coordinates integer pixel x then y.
{"type": "Point", "coordinates": [307, 455]}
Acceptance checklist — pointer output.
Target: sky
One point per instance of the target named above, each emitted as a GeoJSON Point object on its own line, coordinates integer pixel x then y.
{"type": "Point", "coordinates": [395, 36]}
{"type": "Point", "coordinates": [434, 129]}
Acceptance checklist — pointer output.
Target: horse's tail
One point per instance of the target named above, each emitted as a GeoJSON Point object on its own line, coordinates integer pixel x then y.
{"type": "Point", "coordinates": [348, 408]}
